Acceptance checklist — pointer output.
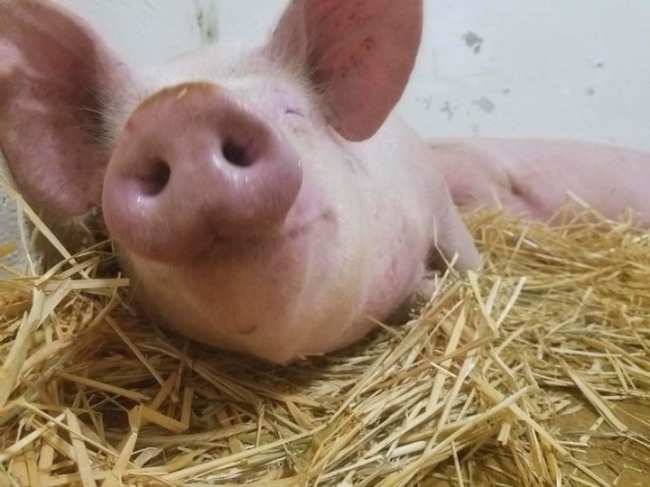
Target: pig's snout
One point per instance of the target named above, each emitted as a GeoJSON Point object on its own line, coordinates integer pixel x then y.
{"type": "Point", "coordinates": [192, 168]}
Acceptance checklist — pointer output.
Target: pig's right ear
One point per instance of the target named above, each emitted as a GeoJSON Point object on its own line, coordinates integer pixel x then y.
{"type": "Point", "coordinates": [56, 78]}
{"type": "Point", "coordinates": [359, 55]}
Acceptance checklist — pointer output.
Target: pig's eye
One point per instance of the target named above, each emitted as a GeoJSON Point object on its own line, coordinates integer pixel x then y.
{"type": "Point", "coordinates": [294, 111]}
{"type": "Point", "coordinates": [288, 103]}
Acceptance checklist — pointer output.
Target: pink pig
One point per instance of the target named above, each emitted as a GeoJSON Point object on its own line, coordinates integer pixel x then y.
{"type": "Point", "coordinates": [268, 201]}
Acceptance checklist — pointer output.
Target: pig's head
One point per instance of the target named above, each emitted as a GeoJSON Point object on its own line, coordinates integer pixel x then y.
{"type": "Point", "coordinates": [265, 200]}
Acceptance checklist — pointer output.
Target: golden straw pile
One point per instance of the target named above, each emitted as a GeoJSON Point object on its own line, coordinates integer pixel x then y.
{"type": "Point", "coordinates": [534, 372]}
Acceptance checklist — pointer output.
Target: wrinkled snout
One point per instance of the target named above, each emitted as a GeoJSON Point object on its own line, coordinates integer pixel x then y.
{"type": "Point", "coordinates": [192, 168]}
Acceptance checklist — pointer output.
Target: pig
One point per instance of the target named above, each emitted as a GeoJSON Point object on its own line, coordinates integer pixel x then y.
{"type": "Point", "coordinates": [267, 201]}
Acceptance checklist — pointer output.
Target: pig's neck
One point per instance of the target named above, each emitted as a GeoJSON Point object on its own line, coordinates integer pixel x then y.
{"type": "Point", "coordinates": [402, 189]}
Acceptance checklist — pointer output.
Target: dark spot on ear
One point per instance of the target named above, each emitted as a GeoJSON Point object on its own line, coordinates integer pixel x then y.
{"type": "Point", "coordinates": [368, 43]}
{"type": "Point", "coordinates": [355, 61]}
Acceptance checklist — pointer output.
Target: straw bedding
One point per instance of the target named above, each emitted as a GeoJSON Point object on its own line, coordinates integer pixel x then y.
{"type": "Point", "coordinates": [535, 371]}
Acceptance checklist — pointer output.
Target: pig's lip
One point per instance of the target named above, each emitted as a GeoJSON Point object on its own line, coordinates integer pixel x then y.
{"type": "Point", "coordinates": [301, 229]}
{"type": "Point", "coordinates": [244, 244]}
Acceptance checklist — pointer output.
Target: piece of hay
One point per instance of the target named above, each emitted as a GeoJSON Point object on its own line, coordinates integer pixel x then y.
{"type": "Point", "coordinates": [535, 371]}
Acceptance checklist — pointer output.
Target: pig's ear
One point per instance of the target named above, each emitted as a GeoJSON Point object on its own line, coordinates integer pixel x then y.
{"type": "Point", "coordinates": [55, 79]}
{"type": "Point", "coordinates": [359, 54]}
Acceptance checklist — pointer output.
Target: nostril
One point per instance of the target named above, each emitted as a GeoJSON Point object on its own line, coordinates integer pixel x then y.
{"type": "Point", "coordinates": [155, 180]}
{"type": "Point", "coordinates": [237, 154]}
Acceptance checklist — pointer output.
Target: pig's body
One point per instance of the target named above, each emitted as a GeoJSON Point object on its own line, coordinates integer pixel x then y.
{"type": "Point", "coordinates": [534, 177]}
{"type": "Point", "coordinates": [265, 201]}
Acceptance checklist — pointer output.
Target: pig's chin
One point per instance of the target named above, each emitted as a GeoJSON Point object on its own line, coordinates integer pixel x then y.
{"type": "Point", "coordinates": [276, 299]}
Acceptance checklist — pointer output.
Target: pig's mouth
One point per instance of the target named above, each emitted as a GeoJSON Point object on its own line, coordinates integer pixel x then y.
{"type": "Point", "coordinates": [230, 246]}
{"type": "Point", "coordinates": [233, 248]}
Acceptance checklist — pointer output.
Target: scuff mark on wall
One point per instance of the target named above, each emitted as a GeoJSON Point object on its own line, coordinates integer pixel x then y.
{"type": "Point", "coordinates": [207, 22]}
{"type": "Point", "coordinates": [426, 101]}
{"type": "Point", "coordinates": [485, 104]}
{"type": "Point", "coordinates": [473, 41]}
{"type": "Point", "coordinates": [448, 109]}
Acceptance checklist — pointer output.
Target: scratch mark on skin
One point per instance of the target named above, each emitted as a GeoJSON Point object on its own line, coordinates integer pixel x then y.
{"type": "Point", "coordinates": [473, 41]}
{"type": "Point", "coordinates": [249, 330]}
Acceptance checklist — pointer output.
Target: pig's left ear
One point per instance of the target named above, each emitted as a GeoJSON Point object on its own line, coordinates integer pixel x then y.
{"type": "Point", "coordinates": [55, 79]}
{"type": "Point", "coordinates": [358, 54]}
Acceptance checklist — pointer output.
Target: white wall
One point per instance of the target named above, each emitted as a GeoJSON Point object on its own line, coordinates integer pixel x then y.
{"type": "Point", "coordinates": [553, 68]}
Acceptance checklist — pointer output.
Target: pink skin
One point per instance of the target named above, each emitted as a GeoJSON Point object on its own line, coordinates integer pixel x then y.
{"type": "Point", "coordinates": [265, 201]}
